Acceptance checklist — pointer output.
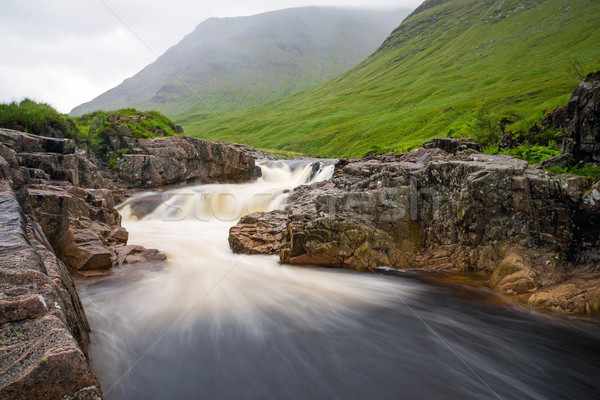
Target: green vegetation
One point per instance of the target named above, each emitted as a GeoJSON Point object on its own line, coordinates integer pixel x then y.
{"type": "Point", "coordinates": [230, 63]}
{"type": "Point", "coordinates": [90, 129]}
{"type": "Point", "coordinates": [588, 171]}
{"type": "Point", "coordinates": [531, 153]}
{"type": "Point", "coordinates": [459, 68]}
{"type": "Point", "coordinates": [142, 124]}
{"type": "Point", "coordinates": [40, 119]}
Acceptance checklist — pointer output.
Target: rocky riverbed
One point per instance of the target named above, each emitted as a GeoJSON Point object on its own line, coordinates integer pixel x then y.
{"type": "Point", "coordinates": [445, 207]}
{"type": "Point", "coordinates": [57, 217]}
{"type": "Point", "coordinates": [534, 234]}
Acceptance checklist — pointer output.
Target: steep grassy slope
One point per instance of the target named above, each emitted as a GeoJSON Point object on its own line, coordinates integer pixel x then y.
{"type": "Point", "coordinates": [229, 63]}
{"type": "Point", "coordinates": [451, 66]}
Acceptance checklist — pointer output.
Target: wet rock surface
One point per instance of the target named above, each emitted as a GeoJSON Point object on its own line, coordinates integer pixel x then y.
{"type": "Point", "coordinates": [56, 215]}
{"type": "Point", "coordinates": [528, 230]}
{"type": "Point", "coordinates": [43, 329]}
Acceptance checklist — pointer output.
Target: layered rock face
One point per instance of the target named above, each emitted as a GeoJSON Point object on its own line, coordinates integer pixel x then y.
{"type": "Point", "coordinates": [43, 329]}
{"type": "Point", "coordinates": [57, 216]}
{"type": "Point", "coordinates": [147, 163]}
{"type": "Point", "coordinates": [532, 232]}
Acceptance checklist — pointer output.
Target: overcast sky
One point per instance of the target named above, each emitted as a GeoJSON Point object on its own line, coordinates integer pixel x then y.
{"type": "Point", "coordinates": [66, 52]}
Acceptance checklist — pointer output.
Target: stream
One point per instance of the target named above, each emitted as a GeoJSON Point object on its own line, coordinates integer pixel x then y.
{"type": "Point", "coordinates": [216, 325]}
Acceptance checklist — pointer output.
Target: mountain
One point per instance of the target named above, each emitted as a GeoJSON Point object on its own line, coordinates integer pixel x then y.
{"type": "Point", "coordinates": [451, 66]}
{"type": "Point", "coordinates": [230, 63]}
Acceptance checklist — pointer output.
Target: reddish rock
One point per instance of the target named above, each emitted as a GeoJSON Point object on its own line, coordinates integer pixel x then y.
{"type": "Point", "coordinates": [133, 254]}
{"type": "Point", "coordinates": [258, 233]}
{"type": "Point", "coordinates": [66, 220]}
{"type": "Point", "coordinates": [43, 330]}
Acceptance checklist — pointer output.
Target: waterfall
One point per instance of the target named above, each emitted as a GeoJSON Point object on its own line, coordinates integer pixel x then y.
{"type": "Point", "coordinates": [213, 324]}
{"type": "Point", "coordinates": [228, 202]}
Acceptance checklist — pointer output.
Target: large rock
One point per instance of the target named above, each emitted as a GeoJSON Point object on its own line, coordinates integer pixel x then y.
{"type": "Point", "coordinates": [43, 329]}
{"type": "Point", "coordinates": [258, 233]}
{"type": "Point", "coordinates": [434, 210]}
{"type": "Point", "coordinates": [452, 145]}
{"type": "Point", "coordinates": [25, 143]}
{"type": "Point", "coordinates": [56, 213]}
{"type": "Point", "coordinates": [66, 218]}
{"type": "Point", "coordinates": [181, 159]}
{"type": "Point", "coordinates": [580, 122]}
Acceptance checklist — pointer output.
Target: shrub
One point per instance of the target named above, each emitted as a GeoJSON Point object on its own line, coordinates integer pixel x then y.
{"type": "Point", "coordinates": [533, 154]}
{"type": "Point", "coordinates": [485, 127]}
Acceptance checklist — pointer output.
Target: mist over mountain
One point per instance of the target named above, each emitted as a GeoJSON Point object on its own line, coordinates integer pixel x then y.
{"type": "Point", "coordinates": [449, 68]}
{"type": "Point", "coordinates": [231, 63]}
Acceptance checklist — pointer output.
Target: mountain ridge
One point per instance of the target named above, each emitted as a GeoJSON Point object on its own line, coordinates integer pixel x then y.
{"type": "Point", "coordinates": [230, 63]}
{"type": "Point", "coordinates": [447, 67]}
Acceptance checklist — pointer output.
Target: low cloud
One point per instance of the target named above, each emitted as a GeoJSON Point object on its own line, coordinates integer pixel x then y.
{"type": "Point", "coordinates": [66, 52]}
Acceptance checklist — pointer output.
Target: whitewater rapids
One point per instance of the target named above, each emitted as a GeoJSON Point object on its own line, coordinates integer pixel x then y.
{"type": "Point", "coordinates": [213, 324]}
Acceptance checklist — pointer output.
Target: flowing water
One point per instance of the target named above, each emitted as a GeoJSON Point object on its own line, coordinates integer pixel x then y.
{"type": "Point", "coordinates": [212, 324]}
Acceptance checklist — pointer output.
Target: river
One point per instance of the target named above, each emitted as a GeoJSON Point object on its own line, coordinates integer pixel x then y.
{"type": "Point", "coordinates": [215, 325]}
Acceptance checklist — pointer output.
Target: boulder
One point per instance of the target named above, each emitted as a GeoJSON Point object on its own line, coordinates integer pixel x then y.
{"type": "Point", "coordinates": [76, 224]}
{"type": "Point", "coordinates": [137, 254]}
{"type": "Point", "coordinates": [181, 159]}
{"type": "Point", "coordinates": [258, 233]}
{"type": "Point", "coordinates": [452, 145]}
{"type": "Point", "coordinates": [26, 143]}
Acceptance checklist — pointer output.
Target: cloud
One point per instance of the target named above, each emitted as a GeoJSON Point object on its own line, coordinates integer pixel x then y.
{"type": "Point", "coordinates": [66, 52]}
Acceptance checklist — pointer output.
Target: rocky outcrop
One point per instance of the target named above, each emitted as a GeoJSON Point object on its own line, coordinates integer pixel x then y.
{"type": "Point", "coordinates": [527, 229]}
{"type": "Point", "coordinates": [580, 123]}
{"type": "Point", "coordinates": [80, 224]}
{"type": "Point", "coordinates": [258, 233]}
{"type": "Point", "coordinates": [56, 214]}
{"type": "Point", "coordinates": [148, 163]}
{"type": "Point", "coordinates": [452, 145]}
{"type": "Point", "coordinates": [43, 329]}
{"type": "Point", "coordinates": [68, 196]}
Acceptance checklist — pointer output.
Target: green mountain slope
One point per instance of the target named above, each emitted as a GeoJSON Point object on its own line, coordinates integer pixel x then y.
{"type": "Point", "coordinates": [229, 63]}
{"type": "Point", "coordinates": [447, 67]}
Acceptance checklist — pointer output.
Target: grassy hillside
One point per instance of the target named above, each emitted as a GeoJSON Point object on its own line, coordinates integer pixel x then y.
{"type": "Point", "coordinates": [454, 67]}
{"type": "Point", "coordinates": [230, 63]}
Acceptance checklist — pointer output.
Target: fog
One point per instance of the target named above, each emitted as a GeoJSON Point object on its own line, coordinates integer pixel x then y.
{"type": "Point", "coordinates": [66, 52]}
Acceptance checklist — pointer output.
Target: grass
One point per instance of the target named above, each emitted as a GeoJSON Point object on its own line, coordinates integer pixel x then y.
{"type": "Point", "coordinates": [88, 130]}
{"type": "Point", "coordinates": [40, 119]}
{"type": "Point", "coordinates": [231, 63]}
{"type": "Point", "coordinates": [588, 171]}
{"type": "Point", "coordinates": [533, 154]}
{"type": "Point", "coordinates": [432, 77]}
{"type": "Point", "coordinates": [142, 124]}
